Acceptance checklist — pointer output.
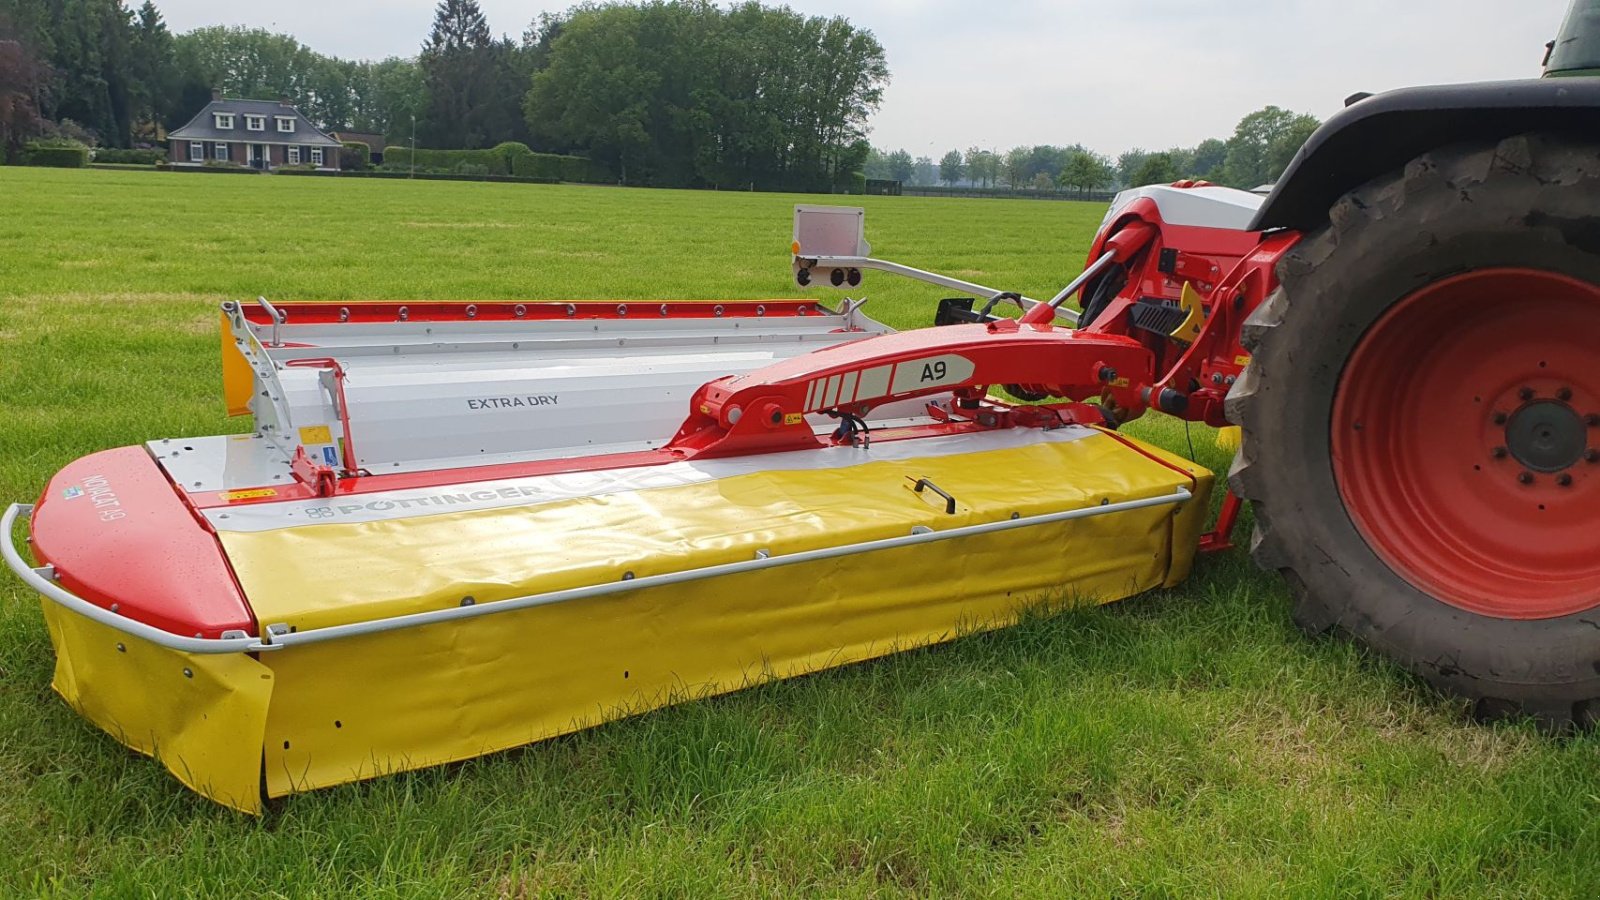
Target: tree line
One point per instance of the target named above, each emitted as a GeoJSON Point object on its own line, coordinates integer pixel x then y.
{"type": "Point", "coordinates": [665, 92]}
{"type": "Point", "coordinates": [1259, 150]}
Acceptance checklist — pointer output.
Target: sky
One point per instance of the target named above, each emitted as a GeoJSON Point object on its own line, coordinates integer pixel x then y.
{"type": "Point", "coordinates": [1110, 75]}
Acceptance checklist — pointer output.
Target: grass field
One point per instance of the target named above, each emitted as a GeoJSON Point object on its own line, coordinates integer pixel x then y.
{"type": "Point", "coordinates": [1183, 743]}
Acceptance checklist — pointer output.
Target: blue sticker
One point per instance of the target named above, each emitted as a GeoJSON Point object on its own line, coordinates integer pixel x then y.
{"type": "Point", "coordinates": [328, 456]}
{"type": "Point", "coordinates": [72, 493]}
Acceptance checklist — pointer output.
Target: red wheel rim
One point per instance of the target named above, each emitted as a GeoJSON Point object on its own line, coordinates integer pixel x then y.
{"type": "Point", "coordinates": [1466, 442]}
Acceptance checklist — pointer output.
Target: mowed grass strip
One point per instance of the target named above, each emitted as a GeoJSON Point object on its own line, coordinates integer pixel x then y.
{"type": "Point", "coordinates": [1184, 742]}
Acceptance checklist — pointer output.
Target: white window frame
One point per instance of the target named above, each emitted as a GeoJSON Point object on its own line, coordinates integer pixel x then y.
{"type": "Point", "coordinates": [197, 151]}
{"type": "Point", "coordinates": [285, 124]}
{"type": "Point", "coordinates": [221, 152]}
{"type": "Point", "coordinates": [224, 121]}
{"type": "Point", "coordinates": [255, 123]}
{"type": "Point", "coordinates": [294, 156]}
{"type": "Point", "coordinates": [316, 156]}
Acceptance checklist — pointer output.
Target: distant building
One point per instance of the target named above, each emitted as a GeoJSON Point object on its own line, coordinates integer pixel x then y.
{"type": "Point", "coordinates": [374, 142]}
{"type": "Point", "coordinates": [261, 134]}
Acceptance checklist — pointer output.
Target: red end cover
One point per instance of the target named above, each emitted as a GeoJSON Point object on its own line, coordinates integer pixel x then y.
{"type": "Point", "coordinates": [118, 533]}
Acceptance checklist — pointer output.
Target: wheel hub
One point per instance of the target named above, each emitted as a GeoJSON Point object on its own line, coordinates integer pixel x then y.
{"type": "Point", "coordinates": [1466, 442]}
{"type": "Point", "coordinates": [1547, 436]}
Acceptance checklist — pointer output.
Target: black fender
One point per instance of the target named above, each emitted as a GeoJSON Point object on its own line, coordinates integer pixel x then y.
{"type": "Point", "coordinates": [1384, 132]}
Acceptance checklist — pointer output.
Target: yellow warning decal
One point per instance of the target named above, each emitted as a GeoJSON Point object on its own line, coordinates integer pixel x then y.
{"type": "Point", "coordinates": [254, 494]}
{"type": "Point", "coordinates": [316, 434]}
{"type": "Point", "coordinates": [1242, 359]}
{"type": "Point", "coordinates": [793, 418]}
{"type": "Point", "coordinates": [1194, 314]}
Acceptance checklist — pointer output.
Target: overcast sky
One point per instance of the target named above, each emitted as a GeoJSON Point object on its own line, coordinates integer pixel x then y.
{"type": "Point", "coordinates": [1111, 75]}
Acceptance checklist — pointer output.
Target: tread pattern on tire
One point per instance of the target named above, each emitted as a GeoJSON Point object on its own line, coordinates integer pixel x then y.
{"type": "Point", "coordinates": [1539, 193]}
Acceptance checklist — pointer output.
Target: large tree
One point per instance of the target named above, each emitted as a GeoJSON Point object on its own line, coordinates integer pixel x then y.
{"type": "Point", "coordinates": [22, 80]}
{"type": "Point", "coordinates": [152, 75]}
{"type": "Point", "coordinates": [686, 93]}
{"type": "Point", "coordinates": [1263, 143]}
{"type": "Point", "coordinates": [901, 166]}
{"type": "Point", "coordinates": [1155, 168]}
{"type": "Point", "coordinates": [983, 166]}
{"type": "Point", "coordinates": [248, 62]}
{"type": "Point", "coordinates": [87, 46]}
{"type": "Point", "coordinates": [458, 71]}
{"type": "Point", "coordinates": [1014, 167]}
{"type": "Point", "coordinates": [1208, 159]}
{"type": "Point", "coordinates": [951, 168]}
{"type": "Point", "coordinates": [1086, 171]}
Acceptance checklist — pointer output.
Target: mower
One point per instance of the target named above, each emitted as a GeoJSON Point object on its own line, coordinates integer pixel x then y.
{"type": "Point", "coordinates": [463, 527]}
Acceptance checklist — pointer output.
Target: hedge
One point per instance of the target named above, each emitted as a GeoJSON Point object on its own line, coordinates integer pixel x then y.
{"type": "Point", "coordinates": [219, 169]}
{"type": "Point", "coordinates": [55, 157]}
{"type": "Point", "coordinates": [493, 161]}
{"type": "Point", "coordinates": [561, 168]}
{"type": "Point", "coordinates": [420, 176]}
{"type": "Point", "coordinates": [354, 155]}
{"type": "Point", "coordinates": [510, 158]}
{"type": "Point", "coordinates": [134, 157]}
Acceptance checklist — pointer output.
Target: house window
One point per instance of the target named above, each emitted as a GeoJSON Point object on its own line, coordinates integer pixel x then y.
{"type": "Point", "coordinates": [221, 151]}
{"type": "Point", "coordinates": [224, 121]}
{"type": "Point", "coordinates": [286, 124]}
{"type": "Point", "coordinates": [255, 123]}
{"type": "Point", "coordinates": [316, 156]}
{"type": "Point", "coordinates": [197, 151]}
{"type": "Point", "coordinates": [294, 156]}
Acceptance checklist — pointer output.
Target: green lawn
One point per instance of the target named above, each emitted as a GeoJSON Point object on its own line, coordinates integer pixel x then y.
{"type": "Point", "coordinates": [1186, 742]}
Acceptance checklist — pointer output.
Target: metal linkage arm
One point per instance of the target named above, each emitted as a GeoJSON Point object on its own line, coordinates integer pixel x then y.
{"type": "Point", "coordinates": [848, 263]}
{"type": "Point", "coordinates": [832, 240]}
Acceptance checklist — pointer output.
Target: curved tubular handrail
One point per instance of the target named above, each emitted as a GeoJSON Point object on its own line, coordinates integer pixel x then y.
{"type": "Point", "coordinates": [279, 637]}
{"type": "Point", "coordinates": [42, 580]}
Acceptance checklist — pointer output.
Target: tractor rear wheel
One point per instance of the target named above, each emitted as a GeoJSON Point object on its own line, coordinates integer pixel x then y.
{"type": "Point", "coordinates": [1421, 424]}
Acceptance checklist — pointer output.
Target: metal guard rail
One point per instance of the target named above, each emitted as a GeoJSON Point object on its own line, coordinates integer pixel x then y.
{"type": "Point", "coordinates": [278, 637]}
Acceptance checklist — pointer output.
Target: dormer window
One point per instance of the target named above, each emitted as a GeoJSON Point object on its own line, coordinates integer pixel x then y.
{"type": "Point", "coordinates": [285, 124]}
{"type": "Point", "coordinates": [255, 123]}
{"type": "Point", "coordinates": [224, 121]}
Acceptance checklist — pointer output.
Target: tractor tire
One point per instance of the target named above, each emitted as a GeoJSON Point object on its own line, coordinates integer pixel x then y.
{"type": "Point", "coordinates": [1421, 422]}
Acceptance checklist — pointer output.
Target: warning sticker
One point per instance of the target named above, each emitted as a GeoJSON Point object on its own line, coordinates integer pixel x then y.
{"type": "Point", "coordinates": [255, 494]}
{"type": "Point", "coordinates": [316, 434]}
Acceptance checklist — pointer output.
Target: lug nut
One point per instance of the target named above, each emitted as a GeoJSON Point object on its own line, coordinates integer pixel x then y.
{"type": "Point", "coordinates": [1500, 418]}
{"type": "Point", "coordinates": [1564, 394]}
{"type": "Point", "coordinates": [1525, 478]}
{"type": "Point", "coordinates": [1498, 453]}
{"type": "Point", "coordinates": [1107, 374]}
{"type": "Point", "coordinates": [1564, 480]}
{"type": "Point", "coordinates": [1526, 393]}
{"type": "Point", "coordinates": [1592, 420]}
{"type": "Point", "coordinates": [1591, 455]}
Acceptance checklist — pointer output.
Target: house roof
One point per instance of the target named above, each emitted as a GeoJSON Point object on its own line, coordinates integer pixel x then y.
{"type": "Point", "coordinates": [374, 142]}
{"type": "Point", "coordinates": [204, 128]}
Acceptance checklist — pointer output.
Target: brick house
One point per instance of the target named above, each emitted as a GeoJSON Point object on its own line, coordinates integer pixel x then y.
{"type": "Point", "coordinates": [261, 134]}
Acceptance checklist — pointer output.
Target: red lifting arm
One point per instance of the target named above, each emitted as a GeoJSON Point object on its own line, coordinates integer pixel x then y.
{"type": "Point", "coordinates": [765, 410]}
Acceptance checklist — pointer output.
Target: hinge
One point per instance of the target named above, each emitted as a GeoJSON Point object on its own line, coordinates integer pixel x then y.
{"type": "Point", "coordinates": [320, 477]}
